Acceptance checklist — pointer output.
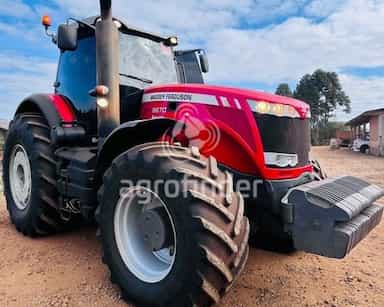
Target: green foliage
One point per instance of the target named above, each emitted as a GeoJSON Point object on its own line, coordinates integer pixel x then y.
{"type": "Point", "coordinates": [323, 92]}
{"type": "Point", "coordinates": [284, 90]}
{"type": "Point", "coordinates": [325, 132]}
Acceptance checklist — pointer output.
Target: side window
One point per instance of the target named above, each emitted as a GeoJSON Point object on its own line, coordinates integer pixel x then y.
{"type": "Point", "coordinates": [188, 68]}
{"type": "Point", "coordinates": [77, 75]}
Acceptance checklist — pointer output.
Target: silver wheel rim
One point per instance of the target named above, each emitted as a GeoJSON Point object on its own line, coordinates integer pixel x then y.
{"type": "Point", "coordinates": [149, 266]}
{"type": "Point", "coordinates": [20, 178]}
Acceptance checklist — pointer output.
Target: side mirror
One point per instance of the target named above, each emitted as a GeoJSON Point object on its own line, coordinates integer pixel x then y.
{"type": "Point", "coordinates": [204, 62]}
{"type": "Point", "coordinates": [67, 36]}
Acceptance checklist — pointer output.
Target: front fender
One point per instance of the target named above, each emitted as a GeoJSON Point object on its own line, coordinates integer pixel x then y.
{"type": "Point", "coordinates": [129, 135]}
{"type": "Point", "coordinates": [231, 150]}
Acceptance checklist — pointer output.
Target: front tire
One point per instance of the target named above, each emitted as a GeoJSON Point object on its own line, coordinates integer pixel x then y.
{"type": "Point", "coordinates": [209, 233]}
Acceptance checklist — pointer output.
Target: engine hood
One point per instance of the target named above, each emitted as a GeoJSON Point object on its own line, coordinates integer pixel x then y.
{"type": "Point", "coordinates": [220, 96]}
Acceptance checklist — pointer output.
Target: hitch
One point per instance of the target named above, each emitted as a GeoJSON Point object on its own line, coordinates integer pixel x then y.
{"type": "Point", "coordinates": [330, 217]}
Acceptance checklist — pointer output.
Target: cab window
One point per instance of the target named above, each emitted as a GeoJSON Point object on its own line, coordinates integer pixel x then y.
{"type": "Point", "coordinates": [77, 76]}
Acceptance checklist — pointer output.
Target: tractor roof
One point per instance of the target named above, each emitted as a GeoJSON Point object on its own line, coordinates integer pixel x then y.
{"type": "Point", "coordinates": [91, 22]}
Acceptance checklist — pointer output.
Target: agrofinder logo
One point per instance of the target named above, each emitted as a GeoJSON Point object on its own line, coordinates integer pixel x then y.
{"type": "Point", "coordinates": [194, 129]}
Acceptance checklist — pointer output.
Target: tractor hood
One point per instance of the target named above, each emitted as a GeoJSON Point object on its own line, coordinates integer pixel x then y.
{"type": "Point", "coordinates": [268, 134]}
{"type": "Point", "coordinates": [220, 96]}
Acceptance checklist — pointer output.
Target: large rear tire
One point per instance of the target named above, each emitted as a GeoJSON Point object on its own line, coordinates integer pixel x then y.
{"type": "Point", "coordinates": [208, 248]}
{"type": "Point", "coordinates": [29, 176]}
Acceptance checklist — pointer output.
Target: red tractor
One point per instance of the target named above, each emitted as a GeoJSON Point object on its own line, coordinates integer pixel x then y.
{"type": "Point", "coordinates": [178, 174]}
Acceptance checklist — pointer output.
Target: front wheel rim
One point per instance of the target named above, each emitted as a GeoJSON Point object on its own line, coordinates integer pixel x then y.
{"type": "Point", "coordinates": [20, 178]}
{"type": "Point", "coordinates": [148, 266]}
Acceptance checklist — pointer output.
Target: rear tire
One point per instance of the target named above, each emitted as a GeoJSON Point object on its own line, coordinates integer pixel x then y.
{"type": "Point", "coordinates": [211, 232]}
{"type": "Point", "coordinates": [38, 214]}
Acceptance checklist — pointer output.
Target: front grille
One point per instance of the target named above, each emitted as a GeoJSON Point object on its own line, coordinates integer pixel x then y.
{"type": "Point", "coordinates": [285, 135]}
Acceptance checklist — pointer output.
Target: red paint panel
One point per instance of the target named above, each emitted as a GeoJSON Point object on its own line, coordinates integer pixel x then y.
{"type": "Point", "coordinates": [282, 174]}
{"type": "Point", "coordinates": [240, 146]}
{"type": "Point", "coordinates": [63, 108]}
{"type": "Point", "coordinates": [234, 152]}
{"type": "Point", "coordinates": [232, 93]}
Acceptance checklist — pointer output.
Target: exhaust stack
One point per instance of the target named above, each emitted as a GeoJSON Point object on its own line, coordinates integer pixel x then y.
{"type": "Point", "coordinates": [107, 62]}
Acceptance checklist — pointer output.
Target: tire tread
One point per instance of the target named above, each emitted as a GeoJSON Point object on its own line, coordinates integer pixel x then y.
{"type": "Point", "coordinates": [225, 224]}
{"type": "Point", "coordinates": [34, 128]}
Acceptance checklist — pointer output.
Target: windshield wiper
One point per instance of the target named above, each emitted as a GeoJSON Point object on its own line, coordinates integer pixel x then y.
{"type": "Point", "coordinates": [137, 78]}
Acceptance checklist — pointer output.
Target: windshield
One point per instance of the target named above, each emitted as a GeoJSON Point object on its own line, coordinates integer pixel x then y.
{"type": "Point", "coordinates": [144, 62]}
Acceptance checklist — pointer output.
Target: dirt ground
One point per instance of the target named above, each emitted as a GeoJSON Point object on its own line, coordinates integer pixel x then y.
{"type": "Point", "coordinates": [66, 270]}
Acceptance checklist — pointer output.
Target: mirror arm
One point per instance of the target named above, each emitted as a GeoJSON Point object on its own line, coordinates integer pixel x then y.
{"type": "Point", "coordinates": [51, 35]}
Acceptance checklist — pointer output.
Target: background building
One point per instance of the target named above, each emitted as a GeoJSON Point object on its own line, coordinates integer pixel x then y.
{"type": "Point", "coordinates": [370, 125]}
{"type": "Point", "coordinates": [4, 124]}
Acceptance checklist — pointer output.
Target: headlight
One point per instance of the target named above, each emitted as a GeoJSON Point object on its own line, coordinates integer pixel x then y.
{"type": "Point", "coordinates": [280, 159]}
{"type": "Point", "coordinates": [102, 102]}
{"type": "Point", "coordinates": [276, 109]}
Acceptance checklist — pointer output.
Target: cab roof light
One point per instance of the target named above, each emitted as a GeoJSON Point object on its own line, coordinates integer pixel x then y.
{"type": "Point", "coordinates": [171, 41]}
{"type": "Point", "coordinates": [46, 21]}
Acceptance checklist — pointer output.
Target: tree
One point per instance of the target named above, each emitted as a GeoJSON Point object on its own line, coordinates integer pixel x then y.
{"type": "Point", "coordinates": [323, 92]}
{"type": "Point", "coordinates": [329, 131]}
{"type": "Point", "coordinates": [284, 90]}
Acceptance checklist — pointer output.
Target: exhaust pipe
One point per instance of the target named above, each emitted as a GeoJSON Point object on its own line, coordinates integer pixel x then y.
{"type": "Point", "coordinates": [107, 62]}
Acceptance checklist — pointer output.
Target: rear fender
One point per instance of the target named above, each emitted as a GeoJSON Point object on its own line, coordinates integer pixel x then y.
{"type": "Point", "coordinates": [54, 108]}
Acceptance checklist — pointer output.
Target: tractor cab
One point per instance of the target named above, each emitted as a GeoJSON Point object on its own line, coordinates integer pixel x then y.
{"type": "Point", "coordinates": [145, 59]}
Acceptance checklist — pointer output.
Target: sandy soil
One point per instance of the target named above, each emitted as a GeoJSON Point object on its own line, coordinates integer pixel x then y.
{"type": "Point", "coordinates": [66, 270]}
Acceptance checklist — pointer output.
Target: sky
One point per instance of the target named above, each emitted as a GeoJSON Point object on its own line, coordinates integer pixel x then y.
{"type": "Point", "coordinates": [251, 44]}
